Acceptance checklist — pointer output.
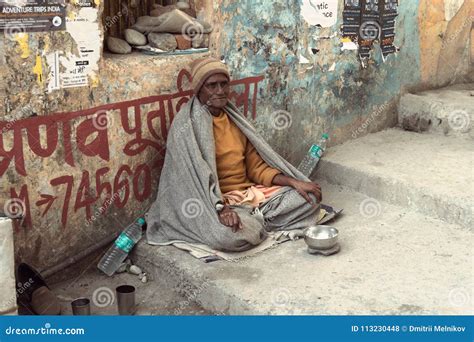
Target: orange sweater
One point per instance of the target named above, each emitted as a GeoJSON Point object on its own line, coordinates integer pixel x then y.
{"type": "Point", "coordinates": [239, 165]}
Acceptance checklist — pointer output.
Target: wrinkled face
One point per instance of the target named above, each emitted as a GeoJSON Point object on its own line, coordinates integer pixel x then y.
{"type": "Point", "coordinates": [215, 91]}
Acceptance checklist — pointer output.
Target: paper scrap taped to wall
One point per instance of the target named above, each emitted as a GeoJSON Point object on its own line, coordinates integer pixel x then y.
{"type": "Point", "coordinates": [368, 21]}
{"type": "Point", "coordinates": [69, 70]}
{"type": "Point", "coordinates": [318, 12]}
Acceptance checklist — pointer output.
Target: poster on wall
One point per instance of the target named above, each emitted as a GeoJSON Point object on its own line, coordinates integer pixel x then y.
{"type": "Point", "coordinates": [369, 30]}
{"type": "Point", "coordinates": [85, 3]}
{"type": "Point", "coordinates": [368, 21]}
{"type": "Point", "coordinates": [17, 16]}
{"type": "Point", "coordinates": [351, 19]}
{"type": "Point", "coordinates": [320, 12]}
{"type": "Point", "coordinates": [69, 70]}
{"type": "Point", "coordinates": [388, 14]}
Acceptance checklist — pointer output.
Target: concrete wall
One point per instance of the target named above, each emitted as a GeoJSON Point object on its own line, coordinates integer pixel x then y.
{"type": "Point", "coordinates": [63, 217]}
{"type": "Point", "coordinates": [62, 187]}
{"type": "Point", "coordinates": [330, 91]}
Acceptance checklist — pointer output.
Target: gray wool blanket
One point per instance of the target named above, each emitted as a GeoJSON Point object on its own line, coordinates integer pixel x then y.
{"type": "Point", "coordinates": [189, 194]}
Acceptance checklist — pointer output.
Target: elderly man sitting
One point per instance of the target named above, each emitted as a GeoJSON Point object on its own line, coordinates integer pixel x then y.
{"type": "Point", "coordinates": [221, 183]}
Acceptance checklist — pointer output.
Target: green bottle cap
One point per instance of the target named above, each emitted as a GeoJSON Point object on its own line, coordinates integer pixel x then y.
{"type": "Point", "coordinates": [326, 136]}
{"type": "Point", "coordinates": [141, 221]}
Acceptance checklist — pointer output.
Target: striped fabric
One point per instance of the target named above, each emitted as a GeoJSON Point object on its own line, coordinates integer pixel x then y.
{"type": "Point", "coordinates": [202, 69]}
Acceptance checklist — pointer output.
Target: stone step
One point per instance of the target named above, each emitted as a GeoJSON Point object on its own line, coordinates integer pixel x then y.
{"type": "Point", "coordinates": [447, 111]}
{"type": "Point", "coordinates": [426, 172]}
{"type": "Point", "coordinates": [392, 261]}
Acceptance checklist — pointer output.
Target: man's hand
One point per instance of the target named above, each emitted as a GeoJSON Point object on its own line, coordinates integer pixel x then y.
{"type": "Point", "coordinates": [229, 218]}
{"type": "Point", "coordinates": [305, 188]}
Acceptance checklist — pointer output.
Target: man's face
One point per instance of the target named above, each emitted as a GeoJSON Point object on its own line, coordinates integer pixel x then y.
{"type": "Point", "coordinates": [215, 91]}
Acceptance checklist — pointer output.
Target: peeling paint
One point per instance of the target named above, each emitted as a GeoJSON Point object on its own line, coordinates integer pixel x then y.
{"type": "Point", "coordinates": [451, 7]}
{"type": "Point", "coordinates": [303, 59]}
{"type": "Point", "coordinates": [94, 80]}
{"type": "Point", "coordinates": [38, 70]}
{"type": "Point", "coordinates": [348, 44]}
{"type": "Point", "coordinates": [22, 40]}
{"type": "Point", "coordinates": [330, 93]}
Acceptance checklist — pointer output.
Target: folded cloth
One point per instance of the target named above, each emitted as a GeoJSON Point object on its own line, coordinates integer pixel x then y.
{"type": "Point", "coordinates": [253, 195]}
{"type": "Point", "coordinates": [207, 254]}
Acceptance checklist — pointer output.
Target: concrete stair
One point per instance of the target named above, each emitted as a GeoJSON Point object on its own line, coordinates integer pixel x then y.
{"type": "Point", "coordinates": [405, 234]}
{"type": "Point", "coordinates": [425, 172]}
{"type": "Point", "coordinates": [392, 261]}
{"type": "Point", "coordinates": [446, 111]}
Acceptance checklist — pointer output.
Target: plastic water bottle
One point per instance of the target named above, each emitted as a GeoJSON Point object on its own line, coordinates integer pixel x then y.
{"type": "Point", "coordinates": [315, 153]}
{"type": "Point", "coordinates": [116, 254]}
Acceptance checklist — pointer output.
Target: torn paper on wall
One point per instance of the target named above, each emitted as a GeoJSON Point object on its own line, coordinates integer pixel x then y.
{"type": "Point", "coordinates": [366, 22]}
{"type": "Point", "coordinates": [303, 60]}
{"type": "Point", "coordinates": [53, 61]}
{"type": "Point", "coordinates": [317, 12]}
{"type": "Point", "coordinates": [73, 70]}
{"type": "Point", "coordinates": [348, 44]}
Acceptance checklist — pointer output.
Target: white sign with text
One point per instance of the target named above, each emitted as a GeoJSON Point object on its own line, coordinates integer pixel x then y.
{"type": "Point", "coordinates": [317, 12]}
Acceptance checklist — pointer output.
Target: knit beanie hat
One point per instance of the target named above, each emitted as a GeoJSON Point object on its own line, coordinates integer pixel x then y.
{"type": "Point", "coordinates": [202, 69]}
